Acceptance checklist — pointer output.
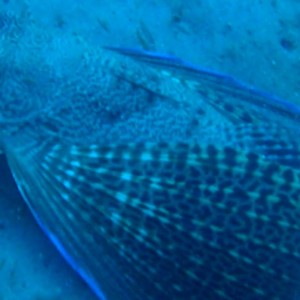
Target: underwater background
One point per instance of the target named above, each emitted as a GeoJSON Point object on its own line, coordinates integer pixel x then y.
{"type": "Point", "coordinates": [255, 41]}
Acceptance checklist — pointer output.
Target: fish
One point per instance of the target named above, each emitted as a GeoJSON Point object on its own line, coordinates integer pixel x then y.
{"type": "Point", "coordinates": [153, 178]}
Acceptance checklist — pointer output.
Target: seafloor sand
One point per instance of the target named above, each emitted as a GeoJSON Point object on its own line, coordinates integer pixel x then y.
{"type": "Point", "coordinates": [257, 41]}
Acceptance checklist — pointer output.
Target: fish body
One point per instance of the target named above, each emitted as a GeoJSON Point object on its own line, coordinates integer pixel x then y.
{"type": "Point", "coordinates": [153, 178]}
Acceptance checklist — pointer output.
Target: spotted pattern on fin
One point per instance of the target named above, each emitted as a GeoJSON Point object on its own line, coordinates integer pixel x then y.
{"type": "Point", "coordinates": [275, 143]}
{"type": "Point", "coordinates": [236, 100]}
{"type": "Point", "coordinates": [160, 221]}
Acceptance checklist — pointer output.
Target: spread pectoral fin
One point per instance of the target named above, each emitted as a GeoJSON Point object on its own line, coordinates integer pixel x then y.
{"type": "Point", "coordinates": [155, 221]}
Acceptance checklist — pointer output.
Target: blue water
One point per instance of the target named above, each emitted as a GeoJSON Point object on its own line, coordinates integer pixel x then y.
{"type": "Point", "coordinates": [256, 42]}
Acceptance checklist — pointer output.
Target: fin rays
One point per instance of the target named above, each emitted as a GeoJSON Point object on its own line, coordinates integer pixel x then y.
{"type": "Point", "coordinates": [235, 100]}
{"type": "Point", "coordinates": [119, 207]}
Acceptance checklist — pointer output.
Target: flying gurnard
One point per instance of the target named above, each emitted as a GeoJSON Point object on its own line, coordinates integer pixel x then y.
{"type": "Point", "coordinates": [154, 178]}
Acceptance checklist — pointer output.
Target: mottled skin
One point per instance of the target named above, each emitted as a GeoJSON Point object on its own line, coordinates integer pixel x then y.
{"type": "Point", "coordinates": [153, 184]}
